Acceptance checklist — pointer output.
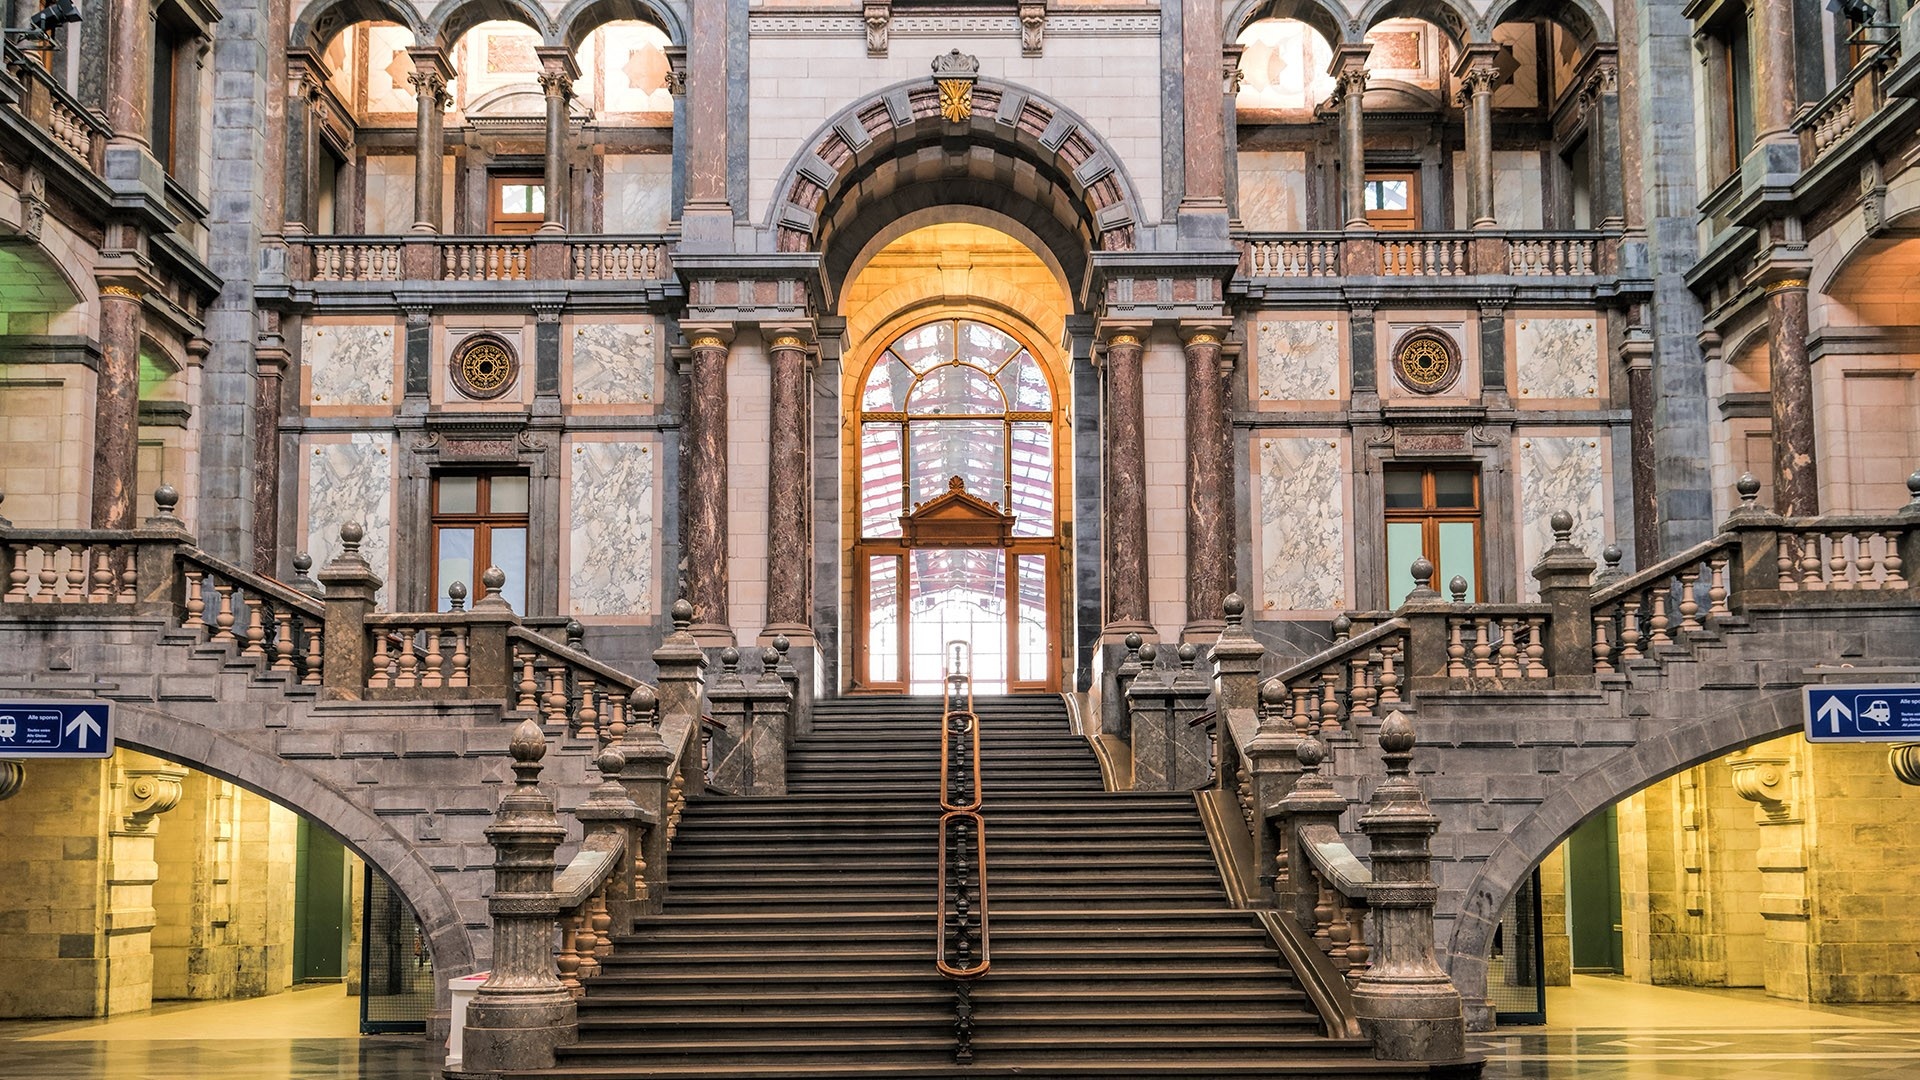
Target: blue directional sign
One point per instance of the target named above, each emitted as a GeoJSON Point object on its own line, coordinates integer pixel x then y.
{"type": "Point", "coordinates": [56, 729]}
{"type": "Point", "coordinates": [1881, 713]}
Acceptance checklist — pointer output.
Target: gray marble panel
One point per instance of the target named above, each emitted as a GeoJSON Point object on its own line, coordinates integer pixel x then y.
{"type": "Point", "coordinates": [1557, 358]}
{"type": "Point", "coordinates": [1560, 473]}
{"type": "Point", "coordinates": [352, 481]}
{"type": "Point", "coordinates": [348, 365]}
{"type": "Point", "coordinates": [639, 190]}
{"type": "Point", "coordinates": [1302, 525]}
{"type": "Point", "coordinates": [1299, 359]}
{"type": "Point", "coordinates": [610, 567]}
{"type": "Point", "coordinates": [613, 364]}
{"type": "Point", "coordinates": [1273, 190]}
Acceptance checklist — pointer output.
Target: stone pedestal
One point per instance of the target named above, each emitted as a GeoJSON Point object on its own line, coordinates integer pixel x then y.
{"type": "Point", "coordinates": [1169, 752]}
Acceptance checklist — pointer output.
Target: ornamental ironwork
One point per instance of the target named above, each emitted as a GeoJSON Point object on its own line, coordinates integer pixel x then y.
{"type": "Point", "coordinates": [1426, 361]}
{"type": "Point", "coordinates": [485, 367]}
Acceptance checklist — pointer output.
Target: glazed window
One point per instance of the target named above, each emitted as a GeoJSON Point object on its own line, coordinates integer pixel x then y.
{"type": "Point", "coordinates": [1433, 512]}
{"type": "Point", "coordinates": [516, 205]}
{"type": "Point", "coordinates": [1393, 200]}
{"type": "Point", "coordinates": [480, 520]}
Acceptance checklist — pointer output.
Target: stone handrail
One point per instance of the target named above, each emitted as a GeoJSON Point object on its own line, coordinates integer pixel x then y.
{"type": "Point", "coordinates": [1359, 678]}
{"type": "Point", "coordinates": [262, 617]}
{"type": "Point", "coordinates": [568, 687]}
{"type": "Point", "coordinates": [1854, 99]}
{"type": "Point", "coordinates": [1311, 257]}
{"type": "Point", "coordinates": [580, 892]}
{"type": "Point", "coordinates": [1334, 861]}
{"type": "Point", "coordinates": [48, 104]}
{"type": "Point", "coordinates": [426, 257]}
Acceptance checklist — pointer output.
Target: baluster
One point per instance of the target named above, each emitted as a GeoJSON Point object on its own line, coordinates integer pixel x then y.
{"type": "Point", "coordinates": [431, 677]}
{"type": "Point", "coordinates": [1892, 562]}
{"type": "Point", "coordinates": [102, 590]}
{"type": "Point", "coordinates": [1536, 650]}
{"type": "Point", "coordinates": [1630, 631]}
{"type": "Point", "coordinates": [1602, 649]}
{"type": "Point", "coordinates": [1785, 562]}
{"type": "Point", "coordinates": [1360, 696]}
{"type": "Point", "coordinates": [256, 632]}
{"type": "Point", "coordinates": [312, 677]}
{"type": "Point", "coordinates": [528, 686]}
{"type": "Point", "coordinates": [1302, 709]}
{"type": "Point", "coordinates": [1323, 916]}
{"type": "Point", "coordinates": [196, 603]}
{"type": "Point", "coordinates": [1330, 703]}
{"type": "Point", "coordinates": [556, 700]}
{"type": "Point", "coordinates": [282, 639]}
{"type": "Point", "coordinates": [1340, 937]}
{"type": "Point", "coordinates": [1389, 679]}
{"type": "Point", "coordinates": [1657, 621]}
{"type": "Point", "coordinates": [407, 663]}
{"type": "Point", "coordinates": [1837, 562]}
{"type": "Point", "coordinates": [569, 959]}
{"type": "Point", "coordinates": [76, 583]}
{"type": "Point", "coordinates": [1863, 561]}
{"type": "Point", "coordinates": [1810, 578]}
{"type": "Point", "coordinates": [461, 660]}
{"type": "Point", "coordinates": [589, 716]}
{"type": "Point", "coordinates": [49, 573]}
{"type": "Point", "coordinates": [1456, 650]}
{"type": "Point", "coordinates": [1689, 605]}
{"type": "Point", "coordinates": [1717, 591]}
{"type": "Point", "coordinates": [223, 613]}
{"type": "Point", "coordinates": [1359, 956]}
{"type": "Point", "coordinates": [602, 927]}
{"type": "Point", "coordinates": [17, 577]}
{"type": "Point", "coordinates": [130, 577]}
{"type": "Point", "coordinates": [1482, 648]}
{"type": "Point", "coordinates": [1509, 647]}
{"type": "Point", "coordinates": [587, 943]}
{"type": "Point", "coordinates": [378, 678]}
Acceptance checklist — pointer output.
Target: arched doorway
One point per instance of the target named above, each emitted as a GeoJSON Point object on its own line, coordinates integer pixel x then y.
{"type": "Point", "coordinates": [959, 436]}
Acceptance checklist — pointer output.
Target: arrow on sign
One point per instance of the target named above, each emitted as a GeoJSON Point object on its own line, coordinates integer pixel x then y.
{"type": "Point", "coordinates": [1833, 712]}
{"type": "Point", "coordinates": [85, 723]}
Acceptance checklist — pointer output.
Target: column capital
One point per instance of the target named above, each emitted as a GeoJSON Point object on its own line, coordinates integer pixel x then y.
{"type": "Point", "coordinates": [557, 60]}
{"type": "Point", "coordinates": [1478, 63]}
{"type": "Point", "coordinates": [1197, 332]}
{"type": "Point", "coordinates": [708, 335]}
{"type": "Point", "coordinates": [1350, 59]}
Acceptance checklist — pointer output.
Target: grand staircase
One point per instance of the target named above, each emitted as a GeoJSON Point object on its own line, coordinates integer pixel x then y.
{"type": "Point", "coordinates": [798, 932]}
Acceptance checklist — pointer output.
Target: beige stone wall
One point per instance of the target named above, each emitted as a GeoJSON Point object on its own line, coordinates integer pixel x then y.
{"type": "Point", "coordinates": [52, 893]}
{"type": "Point", "coordinates": [46, 436]}
{"type": "Point", "coordinates": [1558, 950]}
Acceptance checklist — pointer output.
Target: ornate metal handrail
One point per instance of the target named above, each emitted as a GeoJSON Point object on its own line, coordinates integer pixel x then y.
{"type": "Point", "coordinates": [961, 827]}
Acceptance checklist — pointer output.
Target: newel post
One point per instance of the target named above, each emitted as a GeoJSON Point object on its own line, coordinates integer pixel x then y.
{"type": "Point", "coordinates": [350, 586]}
{"type": "Point", "coordinates": [523, 1011]}
{"type": "Point", "coordinates": [682, 666]}
{"type": "Point", "coordinates": [769, 705]}
{"type": "Point", "coordinates": [610, 811]}
{"type": "Point", "coordinates": [156, 563]}
{"type": "Point", "coordinates": [1565, 574]}
{"type": "Point", "coordinates": [1426, 613]}
{"type": "Point", "coordinates": [646, 769]}
{"type": "Point", "coordinates": [1760, 540]}
{"type": "Point", "coordinates": [1274, 767]}
{"type": "Point", "coordinates": [1405, 1003]}
{"type": "Point", "coordinates": [494, 671]}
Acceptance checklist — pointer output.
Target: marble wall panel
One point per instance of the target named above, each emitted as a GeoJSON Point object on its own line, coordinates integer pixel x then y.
{"type": "Point", "coordinates": [351, 481]}
{"type": "Point", "coordinates": [1559, 473]}
{"type": "Point", "coordinates": [1302, 524]}
{"type": "Point", "coordinates": [1299, 360]}
{"type": "Point", "coordinates": [613, 363]}
{"type": "Point", "coordinates": [1516, 190]}
{"type": "Point", "coordinates": [389, 193]}
{"type": "Point", "coordinates": [639, 193]}
{"type": "Point", "coordinates": [1557, 358]}
{"type": "Point", "coordinates": [348, 364]}
{"type": "Point", "coordinates": [610, 546]}
{"type": "Point", "coordinates": [1273, 190]}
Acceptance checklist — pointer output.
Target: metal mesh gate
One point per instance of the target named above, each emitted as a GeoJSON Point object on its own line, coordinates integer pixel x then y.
{"type": "Point", "coordinates": [396, 968]}
{"type": "Point", "coordinates": [1516, 972]}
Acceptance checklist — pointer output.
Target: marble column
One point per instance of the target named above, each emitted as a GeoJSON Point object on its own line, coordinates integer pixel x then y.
{"type": "Point", "coordinates": [116, 417]}
{"type": "Point", "coordinates": [431, 74]}
{"type": "Point", "coordinates": [303, 87]}
{"type": "Point", "coordinates": [1209, 484]}
{"type": "Point", "coordinates": [789, 490]}
{"type": "Point", "coordinates": [1775, 96]}
{"type": "Point", "coordinates": [1125, 497]}
{"type": "Point", "coordinates": [269, 366]}
{"type": "Point", "coordinates": [1204, 131]}
{"type": "Point", "coordinates": [1349, 68]}
{"type": "Point", "coordinates": [1636, 354]}
{"type": "Point", "coordinates": [705, 503]}
{"type": "Point", "coordinates": [1477, 80]}
{"type": "Point", "coordinates": [1796, 485]}
{"type": "Point", "coordinates": [556, 81]}
{"type": "Point", "coordinates": [130, 75]}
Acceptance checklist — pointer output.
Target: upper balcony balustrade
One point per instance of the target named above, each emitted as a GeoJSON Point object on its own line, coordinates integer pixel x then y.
{"type": "Point", "coordinates": [1862, 93]}
{"type": "Point", "coordinates": [47, 105]}
{"type": "Point", "coordinates": [1278, 263]}
{"type": "Point", "coordinates": [426, 257]}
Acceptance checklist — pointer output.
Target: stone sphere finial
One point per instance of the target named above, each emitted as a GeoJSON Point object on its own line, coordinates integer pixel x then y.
{"type": "Point", "coordinates": [1562, 525]}
{"type": "Point", "coordinates": [165, 498]}
{"type": "Point", "coordinates": [643, 699]}
{"type": "Point", "coordinates": [1913, 485]}
{"type": "Point", "coordinates": [1187, 653]}
{"type": "Point", "coordinates": [457, 596]}
{"type": "Point", "coordinates": [1149, 653]}
{"type": "Point", "coordinates": [781, 645]}
{"type": "Point", "coordinates": [1749, 489]}
{"type": "Point", "coordinates": [528, 746]}
{"type": "Point", "coordinates": [610, 760]}
{"type": "Point", "coordinates": [1611, 555]}
{"type": "Point", "coordinates": [350, 536]}
{"type": "Point", "coordinates": [1422, 573]}
{"type": "Point", "coordinates": [493, 580]}
{"type": "Point", "coordinates": [682, 614]}
{"type": "Point", "coordinates": [1234, 606]}
{"type": "Point", "coordinates": [1342, 627]}
{"type": "Point", "coordinates": [729, 659]}
{"type": "Point", "coordinates": [1311, 752]}
{"type": "Point", "coordinates": [575, 631]}
{"type": "Point", "coordinates": [302, 563]}
{"type": "Point", "coordinates": [1458, 587]}
{"type": "Point", "coordinates": [769, 659]}
{"type": "Point", "coordinates": [1273, 693]}
{"type": "Point", "coordinates": [1133, 642]}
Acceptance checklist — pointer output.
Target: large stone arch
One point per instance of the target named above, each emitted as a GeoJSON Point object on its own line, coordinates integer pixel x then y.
{"type": "Point", "coordinates": [1454, 19]}
{"type": "Point", "coordinates": [1018, 154]}
{"type": "Point", "coordinates": [453, 18]}
{"type": "Point", "coordinates": [1329, 19]}
{"type": "Point", "coordinates": [142, 727]}
{"type": "Point", "coordinates": [1848, 242]}
{"type": "Point", "coordinates": [582, 17]}
{"type": "Point", "coordinates": [1757, 718]}
{"type": "Point", "coordinates": [1582, 18]}
{"type": "Point", "coordinates": [319, 21]}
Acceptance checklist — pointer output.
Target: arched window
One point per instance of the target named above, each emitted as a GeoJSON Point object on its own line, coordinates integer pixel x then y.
{"type": "Point", "coordinates": [956, 398]}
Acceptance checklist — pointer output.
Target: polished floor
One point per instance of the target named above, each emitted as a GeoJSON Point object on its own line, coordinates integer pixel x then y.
{"type": "Point", "coordinates": [1602, 1029]}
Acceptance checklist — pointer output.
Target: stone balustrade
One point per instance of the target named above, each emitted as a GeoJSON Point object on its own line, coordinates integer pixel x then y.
{"type": "Point", "coordinates": [1824, 125]}
{"type": "Point", "coordinates": [1311, 257]}
{"type": "Point", "coordinates": [475, 259]}
{"type": "Point", "coordinates": [50, 107]}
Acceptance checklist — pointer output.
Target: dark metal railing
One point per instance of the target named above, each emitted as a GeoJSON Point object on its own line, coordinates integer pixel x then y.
{"type": "Point", "coordinates": [963, 952]}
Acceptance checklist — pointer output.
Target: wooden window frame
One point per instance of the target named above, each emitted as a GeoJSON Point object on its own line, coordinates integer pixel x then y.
{"type": "Point", "coordinates": [1399, 220]}
{"type": "Point", "coordinates": [1430, 517]}
{"type": "Point", "coordinates": [500, 223]}
{"type": "Point", "coordinates": [482, 521]}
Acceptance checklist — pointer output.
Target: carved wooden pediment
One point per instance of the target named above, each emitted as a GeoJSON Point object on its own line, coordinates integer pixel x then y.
{"type": "Point", "coordinates": [957, 518]}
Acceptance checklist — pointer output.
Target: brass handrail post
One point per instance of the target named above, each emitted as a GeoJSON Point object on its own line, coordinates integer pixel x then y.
{"type": "Point", "coordinates": [961, 797]}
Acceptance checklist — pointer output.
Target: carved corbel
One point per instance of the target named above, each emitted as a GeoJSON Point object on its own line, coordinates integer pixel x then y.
{"type": "Point", "coordinates": [1033, 26]}
{"type": "Point", "coordinates": [1873, 196]}
{"type": "Point", "coordinates": [1767, 781]}
{"type": "Point", "coordinates": [879, 19]}
{"type": "Point", "coordinates": [144, 794]}
{"type": "Point", "coordinates": [677, 70]}
{"type": "Point", "coordinates": [33, 203]}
